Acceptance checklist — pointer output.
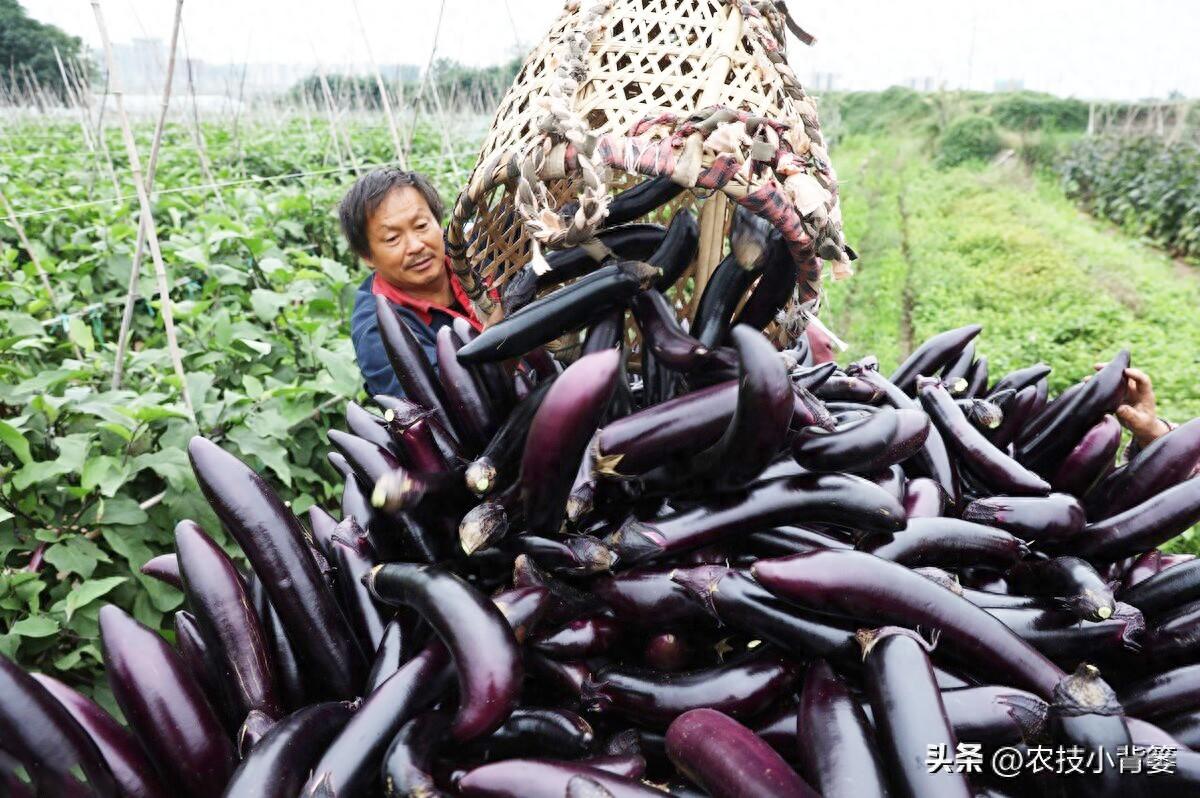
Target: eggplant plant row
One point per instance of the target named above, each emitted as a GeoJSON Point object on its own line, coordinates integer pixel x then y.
{"type": "Point", "coordinates": [718, 569]}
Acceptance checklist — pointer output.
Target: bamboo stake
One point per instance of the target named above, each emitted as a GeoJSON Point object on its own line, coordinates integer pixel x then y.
{"type": "Point", "coordinates": [327, 94]}
{"type": "Point", "coordinates": [100, 137]}
{"type": "Point", "coordinates": [383, 92]}
{"type": "Point", "coordinates": [136, 270]}
{"type": "Point", "coordinates": [197, 133]}
{"type": "Point", "coordinates": [15, 223]}
{"type": "Point", "coordinates": [416, 104]}
{"type": "Point", "coordinates": [135, 165]}
{"type": "Point", "coordinates": [74, 100]}
{"type": "Point", "coordinates": [447, 146]}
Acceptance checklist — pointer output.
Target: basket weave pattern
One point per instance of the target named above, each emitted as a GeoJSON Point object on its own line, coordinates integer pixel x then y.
{"type": "Point", "coordinates": [696, 90]}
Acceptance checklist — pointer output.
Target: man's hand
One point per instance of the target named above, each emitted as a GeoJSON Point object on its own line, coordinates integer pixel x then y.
{"type": "Point", "coordinates": [1139, 413]}
{"type": "Point", "coordinates": [496, 315]}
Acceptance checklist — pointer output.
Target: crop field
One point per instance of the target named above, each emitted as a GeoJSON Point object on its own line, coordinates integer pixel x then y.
{"type": "Point", "coordinates": [93, 475]}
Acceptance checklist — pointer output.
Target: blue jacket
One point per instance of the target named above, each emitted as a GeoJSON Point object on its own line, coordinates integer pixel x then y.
{"type": "Point", "coordinates": [368, 345]}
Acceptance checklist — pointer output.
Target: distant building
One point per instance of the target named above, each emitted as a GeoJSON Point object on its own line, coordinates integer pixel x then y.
{"type": "Point", "coordinates": [1010, 84]}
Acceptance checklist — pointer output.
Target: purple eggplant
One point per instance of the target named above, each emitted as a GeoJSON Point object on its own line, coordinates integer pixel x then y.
{"type": "Point", "coordinates": [56, 754]}
{"type": "Point", "coordinates": [667, 651]}
{"type": "Point", "coordinates": [977, 378]}
{"type": "Point", "coordinates": [552, 732]}
{"type": "Point", "coordinates": [571, 555]}
{"type": "Point", "coordinates": [677, 250]}
{"type": "Point", "coordinates": [1044, 450]}
{"type": "Point", "coordinates": [279, 764]}
{"type": "Point", "coordinates": [1021, 378]}
{"type": "Point", "coordinates": [909, 715]}
{"type": "Point", "coordinates": [408, 762]}
{"type": "Point", "coordinates": [1090, 460]}
{"type": "Point", "coordinates": [1174, 638]}
{"type": "Point", "coordinates": [221, 605]}
{"type": "Point", "coordinates": [778, 727]}
{"type": "Point", "coordinates": [741, 687]}
{"type": "Point", "coordinates": [1059, 634]}
{"type": "Point", "coordinates": [200, 660]}
{"type": "Point", "coordinates": [321, 525]}
{"type": "Point", "coordinates": [975, 451]}
{"type": "Point", "coordinates": [995, 715]}
{"type": "Point", "coordinates": [1070, 581]}
{"type": "Point", "coordinates": [168, 713]}
{"type": "Point", "coordinates": [1049, 519]}
{"type": "Point", "coordinates": [629, 241]}
{"type": "Point", "coordinates": [1166, 589]}
{"type": "Point", "coordinates": [948, 542]}
{"type": "Point", "coordinates": [1169, 693]}
{"type": "Point", "coordinates": [397, 647]}
{"type": "Point", "coordinates": [368, 426]}
{"type": "Point", "coordinates": [816, 498]}
{"type": "Point", "coordinates": [1016, 412]}
{"type": "Point", "coordinates": [663, 337]}
{"type": "Point", "coordinates": [727, 759]}
{"type": "Point", "coordinates": [416, 374]}
{"type": "Point", "coordinates": [352, 761]}
{"type": "Point", "coordinates": [879, 441]}
{"type": "Point", "coordinates": [15, 781]}
{"type": "Point", "coordinates": [579, 639]}
{"type": "Point", "coordinates": [955, 373]}
{"type": "Point", "coordinates": [774, 288]}
{"type": "Point", "coordinates": [1184, 728]}
{"type": "Point", "coordinates": [648, 597]}
{"type": "Point", "coordinates": [1163, 464]}
{"type": "Point", "coordinates": [1085, 713]}
{"type": "Point", "coordinates": [274, 542]}
{"type": "Point", "coordinates": [934, 459]}
{"type": "Point", "coordinates": [732, 276]}
{"type": "Point", "coordinates": [353, 559]}
{"type": "Point", "coordinates": [422, 442]}
{"type": "Point", "coordinates": [932, 355]}
{"type": "Point", "coordinates": [784, 540]}
{"type": "Point", "coordinates": [680, 428]}
{"type": "Point", "coordinates": [558, 435]}
{"type": "Point", "coordinates": [540, 778]}
{"type": "Point", "coordinates": [843, 388]}
{"type": "Point", "coordinates": [760, 420]}
{"type": "Point", "coordinates": [923, 499]}
{"type": "Point", "coordinates": [566, 601]}
{"type": "Point", "coordinates": [561, 678]}
{"type": "Point", "coordinates": [565, 309]}
{"type": "Point", "coordinates": [466, 402]}
{"type": "Point", "coordinates": [126, 759]}
{"type": "Point", "coordinates": [837, 749]}
{"type": "Point", "coordinates": [1144, 526]}
{"type": "Point", "coordinates": [867, 588]}
{"type": "Point", "coordinates": [288, 678]}
{"type": "Point", "coordinates": [468, 623]}
{"type": "Point", "coordinates": [482, 526]}
{"type": "Point", "coordinates": [164, 568]}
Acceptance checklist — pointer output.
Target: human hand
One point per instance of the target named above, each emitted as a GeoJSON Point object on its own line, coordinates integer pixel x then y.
{"type": "Point", "coordinates": [1139, 412]}
{"type": "Point", "coordinates": [496, 315]}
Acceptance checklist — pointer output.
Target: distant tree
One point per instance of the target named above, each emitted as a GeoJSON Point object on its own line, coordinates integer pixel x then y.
{"type": "Point", "coordinates": [27, 49]}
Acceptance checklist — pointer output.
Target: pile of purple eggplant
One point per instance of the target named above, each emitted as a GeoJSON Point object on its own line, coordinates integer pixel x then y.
{"type": "Point", "coordinates": [703, 566]}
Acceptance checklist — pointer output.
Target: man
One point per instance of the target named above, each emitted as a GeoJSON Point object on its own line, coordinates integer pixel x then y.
{"type": "Point", "coordinates": [392, 220]}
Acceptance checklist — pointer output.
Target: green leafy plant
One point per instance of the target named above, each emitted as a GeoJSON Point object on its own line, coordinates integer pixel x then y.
{"type": "Point", "coordinates": [92, 479]}
{"type": "Point", "coordinates": [970, 138]}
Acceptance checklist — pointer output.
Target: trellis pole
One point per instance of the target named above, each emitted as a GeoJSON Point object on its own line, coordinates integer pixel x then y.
{"type": "Point", "coordinates": [383, 92]}
{"type": "Point", "coordinates": [135, 166]}
{"type": "Point", "coordinates": [136, 270]}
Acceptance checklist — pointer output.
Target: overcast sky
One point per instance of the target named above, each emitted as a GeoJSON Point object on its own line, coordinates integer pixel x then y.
{"type": "Point", "coordinates": [1085, 48]}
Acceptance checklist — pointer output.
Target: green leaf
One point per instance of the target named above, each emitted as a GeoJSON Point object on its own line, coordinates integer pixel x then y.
{"type": "Point", "coordinates": [39, 472]}
{"type": "Point", "coordinates": [253, 385]}
{"type": "Point", "coordinates": [267, 304]}
{"type": "Point", "coordinates": [273, 455]}
{"type": "Point", "coordinates": [122, 510]}
{"type": "Point", "coordinates": [35, 626]}
{"type": "Point", "coordinates": [342, 367]}
{"type": "Point", "coordinates": [81, 334]}
{"type": "Point", "coordinates": [170, 464]}
{"type": "Point", "coordinates": [260, 347]}
{"type": "Point", "coordinates": [105, 472]}
{"type": "Point", "coordinates": [76, 555]}
{"type": "Point", "coordinates": [13, 438]}
{"type": "Point", "coordinates": [157, 413]}
{"type": "Point", "coordinates": [90, 591]}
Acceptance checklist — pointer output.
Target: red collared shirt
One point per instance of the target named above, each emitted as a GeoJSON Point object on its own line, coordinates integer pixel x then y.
{"type": "Point", "coordinates": [425, 310]}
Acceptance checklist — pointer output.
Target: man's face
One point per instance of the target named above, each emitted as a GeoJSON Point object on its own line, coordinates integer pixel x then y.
{"type": "Point", "coordinates": [406, 241]}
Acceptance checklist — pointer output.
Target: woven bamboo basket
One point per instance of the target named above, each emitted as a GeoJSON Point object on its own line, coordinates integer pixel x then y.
{"type": "Point", "coordinates": [620, 91]}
